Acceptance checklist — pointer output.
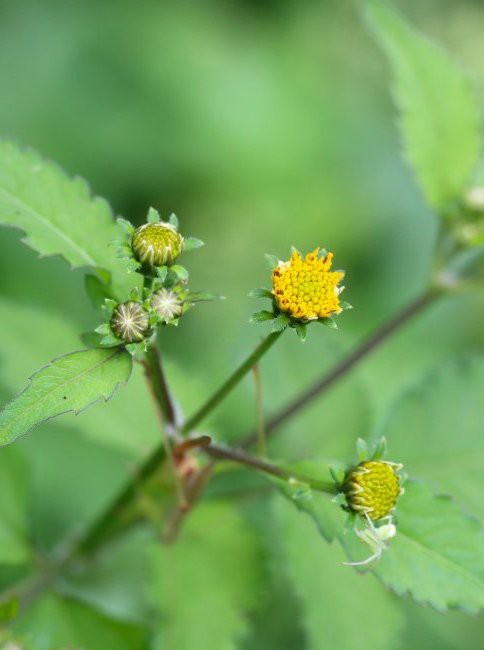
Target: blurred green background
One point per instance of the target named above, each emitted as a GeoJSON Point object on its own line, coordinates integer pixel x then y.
{"type": "Point", "coordinates": [261, 124]}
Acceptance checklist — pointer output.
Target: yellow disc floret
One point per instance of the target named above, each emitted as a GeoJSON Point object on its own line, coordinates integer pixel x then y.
{"type": "Point", "coordinates": [305, 288]}
{"type": "Point", "coordinates": [372, 488]}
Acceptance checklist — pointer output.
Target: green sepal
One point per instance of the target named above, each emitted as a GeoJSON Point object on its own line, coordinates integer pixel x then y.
{"type": "Point", "coordinates": [301, 331]}
{"type": "Point", "coordinates": [126, 225]}
{"type": "Point", "coordinates": [132, 265]}
{"type": "Point", "coordinates": [260, 293]}
{"type": "Point", "coordinates": [162, 272]}
{"type": "Point", "coordinates": [345, 305]}
{"type": "Point", "coordinates": [361, 450]}
{"type": "Point", "coordinates": [272, 261]}
{"type": "Point", "coordinates": [192, 243]}
{"type": "Point", "coordinates": [280, 323]}
{"type": "Point", "coordinates": [322, 253]}
{"type": "Point", "coordinates": [202, 296]}
{"type": "Point", "coordinates": [328, 322]}
{"type": "Point", "coordinates": [110, 341]}
{"type": "Point", "coordinates": [135, 294]}
{"type": "Point", "coordinates": [340, 500]}
{"type": "Point", "coordinates": [153, 216]}
{"type": "Point", "coordinates": [180, 272]}
{"type": "Point", "coordinates": [380, 449]}
{"type": "Point", "coordinates": [103, 329]}
{"type": "Point", "coordinates": [262, 316]}
{"type": "Point", "coordinates": [123, 252]}
{"type": "Point", "coordinates": [173, 220]}
{"type": "Point", "coordinates": [338, 473]}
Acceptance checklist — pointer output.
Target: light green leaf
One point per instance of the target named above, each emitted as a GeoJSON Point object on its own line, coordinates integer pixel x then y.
{"type": "Point", "coordinates": [437, 555]}
{"type": "Point", "coordinates": [57, 213]}
{"type": "Point", "coordinates": [205, 583]}
{"type": "Point", "coordinates": [439, 116]}
{"type": "Point", "coordinates": [70, 383]}
{"type": "Point", "coordinates": [436, 430]}
{"type": "Point", "coordinates": [340, 609]}
{"type": "Point", "coordinates": [54, 622]}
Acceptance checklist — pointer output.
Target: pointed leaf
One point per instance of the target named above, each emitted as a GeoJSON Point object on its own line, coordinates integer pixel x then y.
{"type": "Point", "coordinates": [58, 214]}
{"type": "Point", "coordinates": [70, 383]}
{"type": "Point", "coordinates": [439, 115]}
{"type": "Point", "coordinates": [437, 555]}
{"type": "Point", "coordinates": [339, 608]}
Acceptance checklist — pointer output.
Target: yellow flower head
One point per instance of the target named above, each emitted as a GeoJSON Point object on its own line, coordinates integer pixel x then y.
{"type": "Point", "coordinates": [373, 487]}
{"type": "Point", "coordinates": [305, 288]}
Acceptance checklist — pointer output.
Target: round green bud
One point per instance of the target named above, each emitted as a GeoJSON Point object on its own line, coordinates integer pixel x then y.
{"type": "Point", "coordinates": [156, 244]}
{"type": "Point", "coordinates": [130, 322]}
{"type": "Point", "coordinates": [372, 488]}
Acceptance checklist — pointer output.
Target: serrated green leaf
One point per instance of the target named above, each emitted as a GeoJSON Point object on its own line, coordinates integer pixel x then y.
{"type": "Point", "coordinates": [439, 115]}
{"type": "Point", "coordinates": [192, 243]}
{"type": "Point", "coordinates": [260, 293]}
{"type": "Point", "coordinates": [58, 214]}
{"type": "Point", "coordinates": [115, 423]}
{"type": "Point", "coordinates": [212, 569]}
{"type": "Point", "coordinates": [97, 290]}
{"type": "Point", "coordinates": [437, 555]}
{"type": "Point", "coordinates": [339, 608]}
{"type": "Point", "coordinates": [72, 382]}
{"type": "Point", "coordinates": [262, 316]}
{"type": "Point", "coordinates": [436, 430]}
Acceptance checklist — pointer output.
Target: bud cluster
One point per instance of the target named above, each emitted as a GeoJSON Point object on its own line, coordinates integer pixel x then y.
{"type": "Point", "coordinates": [151, 249]}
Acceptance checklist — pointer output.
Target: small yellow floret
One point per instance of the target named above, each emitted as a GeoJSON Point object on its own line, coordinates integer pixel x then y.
{"type": "Point", "coordinates": [305, 288]}
{"type": "Point", "coordinates": [373, 488]}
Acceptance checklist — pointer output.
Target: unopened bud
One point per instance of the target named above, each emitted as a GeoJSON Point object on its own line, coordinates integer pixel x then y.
{"type": "Point", "coordinates": [156, 244]}
{"type": "Point", "coordinates": [130, 322]}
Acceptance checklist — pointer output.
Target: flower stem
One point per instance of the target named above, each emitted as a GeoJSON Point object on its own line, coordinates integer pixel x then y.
{"type": "Point", "coordinates": [166, 412]}
{"type": "Point", "coordinates": [242, 457]}
{"type": "Point", "coordinates": [230, 383]}
{"type": "Point", "coordinates": [347, 364]}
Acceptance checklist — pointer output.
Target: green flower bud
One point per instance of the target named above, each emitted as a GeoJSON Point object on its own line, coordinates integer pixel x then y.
{"type": "Point", "coordinates": [167, 304]}
{"type": "Point", "coordinates": [372, 488]}
{"type": "Point", "coordinates": [130, 322]}
{"type": "Point", "coordinates": [156, 244]}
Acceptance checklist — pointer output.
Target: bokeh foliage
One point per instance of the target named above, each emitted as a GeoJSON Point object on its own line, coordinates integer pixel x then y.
{"type": "Point", "coordinates": [262, 125]}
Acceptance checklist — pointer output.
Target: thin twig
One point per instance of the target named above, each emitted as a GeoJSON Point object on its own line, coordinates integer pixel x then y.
{"type": "Point", "coordinates": [342, 368]}
{"type": "Point", "coordinates": [259, 409]}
